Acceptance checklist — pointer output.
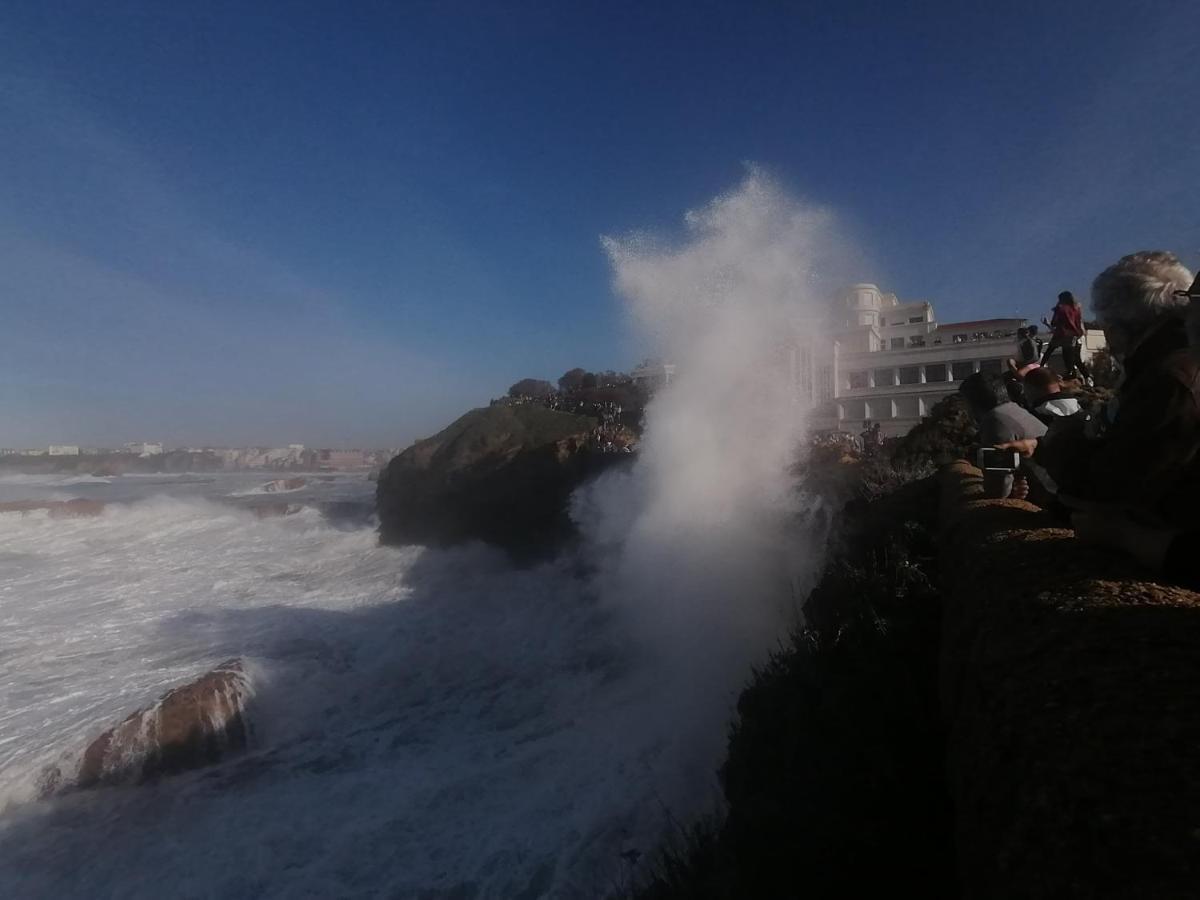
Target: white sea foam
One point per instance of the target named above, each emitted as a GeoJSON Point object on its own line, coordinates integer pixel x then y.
{"type": "Point", "coordinates": [707, 547]}
{"type": "Point", "coordinates": [423, 720]}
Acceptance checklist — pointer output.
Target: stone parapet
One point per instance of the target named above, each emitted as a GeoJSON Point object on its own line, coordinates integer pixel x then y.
{"type": "Point", "coordinates": [1071, 692]}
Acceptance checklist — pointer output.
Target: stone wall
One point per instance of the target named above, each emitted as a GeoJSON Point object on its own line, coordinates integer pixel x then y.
{"type": "Point", "coordinates": [1071, 693]}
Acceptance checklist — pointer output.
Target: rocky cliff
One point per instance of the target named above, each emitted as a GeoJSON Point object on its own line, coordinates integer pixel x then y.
{"type": "Point", "coordinates": [1071, 694]}
{"type": "Point", "coordinates": [502, 474]}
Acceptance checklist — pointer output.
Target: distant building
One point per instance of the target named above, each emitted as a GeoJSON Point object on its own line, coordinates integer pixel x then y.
{"type": "Point", "coordinates": [653, 375]}
{"type": "Point", "coordinates": [890, 361]}
{"type": "Point", "coordinates": [62, 450]}
{"type": "Point", "coordinates": [343, 459]}
{"type": "Point", "coordinates": [143, 448]}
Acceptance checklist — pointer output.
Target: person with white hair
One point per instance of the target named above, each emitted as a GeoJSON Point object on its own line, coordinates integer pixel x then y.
{"type": "Point", "coordinates": [1146, 460]}
{"type": "Point", "coordinates": [1140, 297]}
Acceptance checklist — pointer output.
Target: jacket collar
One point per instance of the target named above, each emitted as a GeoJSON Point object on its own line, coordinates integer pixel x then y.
{"type": "Point", "coordinates": [1166, 337]}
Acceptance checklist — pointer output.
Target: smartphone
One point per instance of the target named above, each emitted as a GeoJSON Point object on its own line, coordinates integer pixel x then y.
{"type": "Point", "coordinates": [991, 458]}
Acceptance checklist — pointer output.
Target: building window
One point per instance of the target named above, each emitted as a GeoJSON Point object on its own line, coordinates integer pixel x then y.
{"type": "Point", "coordinates": [897, 343]}
{"type": "Point", "coordinates": [884, 377]}
{"type": "Point", "coordinates": [935, 372]}
{"type": "Point", "coordinates": [910, 375]}
{"type": "Point", "coordinates": [995, 366]}
{"type": "Point", "coordinates": [854, 410]}
{"type": "Point", "coordinates": [858, 381]}
{"type": "Point", "coordinates": [913, 320]}
{"type": "Point", "coordinates": [917, 340]}
{"type": "Point", "coordinates": [825, 383]}
{"type": "Point", "coordinates": [961, 370]}
{"type": "Point", "coordinates": [880, 409]}
{"type": "Point", "coordinates": [882, 321]}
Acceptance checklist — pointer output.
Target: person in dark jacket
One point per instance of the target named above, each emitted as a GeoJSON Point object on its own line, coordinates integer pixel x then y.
{"type": "Point", "coordinates": [1136, 485]}
{"type": "Point", "coordinates": [1026, 349]}
{"type": "Point", "coordinates": [1170, 548]}
{"type": "Point", "coordinates": [1066, 331]}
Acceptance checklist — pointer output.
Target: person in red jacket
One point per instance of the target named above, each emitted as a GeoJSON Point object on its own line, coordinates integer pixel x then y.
{"type": "Point", "coordinates": [1066, 331]}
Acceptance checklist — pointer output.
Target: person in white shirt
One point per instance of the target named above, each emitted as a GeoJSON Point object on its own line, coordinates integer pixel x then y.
{"type": "Point", "coordinates": [1045, 396]}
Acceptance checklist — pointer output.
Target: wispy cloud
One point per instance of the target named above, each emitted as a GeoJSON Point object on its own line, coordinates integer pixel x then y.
{"type": "Point", "coordinates": [127, 316]}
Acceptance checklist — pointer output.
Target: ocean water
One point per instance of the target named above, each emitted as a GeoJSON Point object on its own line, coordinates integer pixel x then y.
{"type": "Point", "coordinates": [432, 724]}
{"type": "Point", "coordinates": [426, 723]}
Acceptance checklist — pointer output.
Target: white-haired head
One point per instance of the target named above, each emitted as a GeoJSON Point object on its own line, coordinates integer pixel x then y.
{"type": "Point", "coordinates": [1134, 294]}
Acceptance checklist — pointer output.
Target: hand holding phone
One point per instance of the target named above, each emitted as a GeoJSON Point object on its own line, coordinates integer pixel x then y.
{"type": "Point", "coordinates": [995, 458]}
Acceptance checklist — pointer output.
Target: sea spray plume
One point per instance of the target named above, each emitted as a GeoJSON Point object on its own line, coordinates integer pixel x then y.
{"type": "Point", "coordinates": [706, 542]}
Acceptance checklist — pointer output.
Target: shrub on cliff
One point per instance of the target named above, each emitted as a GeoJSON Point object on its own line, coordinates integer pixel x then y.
{"type": "Point", "coordinates": [571, 380]}
{"type": "Point", "coordinates": [531, 387]}
{"type": "Point", "coordinates": [835, 780]}
{"type": "Point", "coordinates": [946, 434]}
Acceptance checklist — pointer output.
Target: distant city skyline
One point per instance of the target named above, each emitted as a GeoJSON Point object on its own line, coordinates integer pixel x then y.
{"type": "Point", "coordinates": [266, 224]}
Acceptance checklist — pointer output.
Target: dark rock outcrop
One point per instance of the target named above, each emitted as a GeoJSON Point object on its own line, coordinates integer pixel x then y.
{"type": "Point", "coordinates": [284, 484]}
{"type": "Point", "coordinates": [1071, 693]}
{"type": "Point", "coordinates": [275, 510]}
{"type": "Point", "coordinates": [502, 474]}
{"type": "Point", "coordinates": [190, 726]}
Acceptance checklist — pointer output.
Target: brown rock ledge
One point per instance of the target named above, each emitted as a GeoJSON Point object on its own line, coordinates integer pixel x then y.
{"type": "Point", "coordinates": [1071, 690]}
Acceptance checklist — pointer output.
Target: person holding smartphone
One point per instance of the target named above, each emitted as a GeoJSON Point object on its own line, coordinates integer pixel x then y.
{"type": "Point", "coordinates": [999, 419]}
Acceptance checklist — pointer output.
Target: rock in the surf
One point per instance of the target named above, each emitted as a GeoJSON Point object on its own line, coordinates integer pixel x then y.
{"type": "Point", "coordinates": [280, 485]}
{"type": "Point", "coordinates": [190, 726]}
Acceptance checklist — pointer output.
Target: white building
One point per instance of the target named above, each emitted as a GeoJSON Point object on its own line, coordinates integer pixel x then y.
{"type": "Point", "coordinates": [143, 448]}
{"type": "Point", "coordinates": [62, 450]}
{"type": "Point", "coordinates": [891, 361]}
{"type": "Point", "coordinates": [653, 375]}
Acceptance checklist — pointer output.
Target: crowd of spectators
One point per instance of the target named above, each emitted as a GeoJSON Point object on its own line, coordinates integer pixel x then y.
{"type": "Point", "coordinates": [1125, 473]}
{"type": "Point", "coordinates": [611, 433]}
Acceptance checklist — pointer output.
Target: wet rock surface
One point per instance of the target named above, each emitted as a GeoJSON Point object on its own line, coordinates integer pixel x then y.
{"type": "Point", "coordinates": [503, 475]}
{"type": "Point", "coordinates": [190, 726]}
{"type": "Point", "coordinates": [280, 485]}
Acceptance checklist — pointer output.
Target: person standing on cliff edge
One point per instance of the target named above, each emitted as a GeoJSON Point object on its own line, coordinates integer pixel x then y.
{"type": "Point", "coordinates": [1066, 331]}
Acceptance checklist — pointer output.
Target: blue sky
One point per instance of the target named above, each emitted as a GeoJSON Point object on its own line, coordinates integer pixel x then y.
{"type": "Point", "coordinates": [344, 223]}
